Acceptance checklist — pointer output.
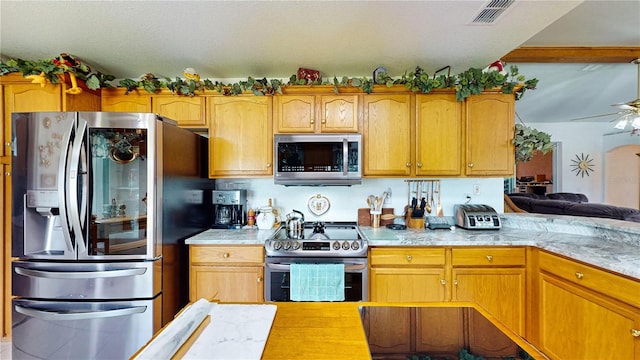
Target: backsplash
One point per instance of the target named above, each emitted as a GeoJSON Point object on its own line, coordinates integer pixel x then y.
{"type": "Point", "coordinates": [345, 201]}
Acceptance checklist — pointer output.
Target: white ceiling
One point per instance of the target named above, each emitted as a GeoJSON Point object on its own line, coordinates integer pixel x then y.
{"type": "Point", "coordinates": [237, 39]}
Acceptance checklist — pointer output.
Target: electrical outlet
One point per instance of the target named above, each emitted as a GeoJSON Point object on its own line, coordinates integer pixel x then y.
{"type": "Point", "coordinates": [476, 189]}
{"type": "Point", "coordinates": [387, 200]}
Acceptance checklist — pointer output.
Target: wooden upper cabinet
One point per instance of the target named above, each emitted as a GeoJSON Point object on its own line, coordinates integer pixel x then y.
{"type": "Point", "coordinates": [115, 100]}
{"type": "Point", "coordinates": [489, 135]}
{"type": "Point", "coordinates": [188, 112]}
{"type": "Point", "coordinates": [240, 136]}
{"type": "Point", "coordinates": [438, 135]}
{"type": "Point", "coordinates": [387, 135]}
{"type": "Point", "coordinates": [316, 113]}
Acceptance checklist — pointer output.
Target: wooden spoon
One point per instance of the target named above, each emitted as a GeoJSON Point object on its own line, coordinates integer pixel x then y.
{"type": "Point", "coordinates": [428, 206]}
{"type": "Point", "coordinates": [389, 216]}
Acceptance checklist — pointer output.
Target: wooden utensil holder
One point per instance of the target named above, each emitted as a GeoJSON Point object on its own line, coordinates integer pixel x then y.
{"type": "Point", "coordinates": [375, 218]}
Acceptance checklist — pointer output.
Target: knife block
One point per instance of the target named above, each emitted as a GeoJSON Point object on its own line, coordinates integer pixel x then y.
{"type": "Point", "coordinates": [414, 223]}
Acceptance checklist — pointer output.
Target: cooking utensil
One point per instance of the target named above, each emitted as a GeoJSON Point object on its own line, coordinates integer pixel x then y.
{"type": "Point", "coordinates": [439, 211]}
{"type": "Point", "coordinates": [429, 193]}
{"type": "Point", "coordinates": [390, 216]}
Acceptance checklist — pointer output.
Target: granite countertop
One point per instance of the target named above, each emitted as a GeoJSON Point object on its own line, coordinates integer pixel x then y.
{"type": "Point", "coordinates": [609, 244]}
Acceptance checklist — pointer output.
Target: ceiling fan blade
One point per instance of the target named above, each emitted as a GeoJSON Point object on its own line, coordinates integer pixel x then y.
{"type": "Point", "coordinates": [596, 116]}
{"type": "Point", "coordinates": [625, 106]}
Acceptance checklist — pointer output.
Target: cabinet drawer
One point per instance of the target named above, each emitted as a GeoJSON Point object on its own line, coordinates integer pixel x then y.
{"type": "Point", "coordinates": [615, 286]}
{"type": "Point", "coordinates": [406, 256]}
{"type": "Point", "coordinates": [214, 254]}
{"type": "Point", "coordinates": [488, 257]}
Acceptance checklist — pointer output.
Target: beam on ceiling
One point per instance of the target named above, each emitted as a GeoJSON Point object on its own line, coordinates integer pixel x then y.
{"type": "Point", "coordinates": [591, 54]}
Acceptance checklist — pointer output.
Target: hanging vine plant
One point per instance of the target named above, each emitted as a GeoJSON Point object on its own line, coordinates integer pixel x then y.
{"type": "Point", "coordinates": [528, 140]}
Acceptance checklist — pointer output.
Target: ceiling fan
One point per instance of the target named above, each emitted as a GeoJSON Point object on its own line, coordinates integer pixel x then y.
{"type": "Point", "coordinates": [629, 112]}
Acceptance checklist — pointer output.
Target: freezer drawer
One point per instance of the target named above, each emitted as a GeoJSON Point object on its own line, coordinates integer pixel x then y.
{"type": "Point", "coordinates": [87, 281]}
{"type": "Point", "coordinates": [82, 330]}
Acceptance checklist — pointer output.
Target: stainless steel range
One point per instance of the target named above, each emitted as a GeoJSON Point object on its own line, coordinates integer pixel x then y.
{"type": "Point", "coordinates": [317, 243]}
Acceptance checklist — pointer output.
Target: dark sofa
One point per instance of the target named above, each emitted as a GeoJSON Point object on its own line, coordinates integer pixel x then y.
{"type": "Point", "coordinates": [571, 204]}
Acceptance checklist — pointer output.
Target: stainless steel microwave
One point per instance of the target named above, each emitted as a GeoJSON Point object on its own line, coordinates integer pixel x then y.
{"type": "Point", "coordinates": [318, 159]}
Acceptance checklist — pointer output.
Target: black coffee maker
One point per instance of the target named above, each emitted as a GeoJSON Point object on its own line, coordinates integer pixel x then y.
{"type": "Point", "coordinates": [229, 209]}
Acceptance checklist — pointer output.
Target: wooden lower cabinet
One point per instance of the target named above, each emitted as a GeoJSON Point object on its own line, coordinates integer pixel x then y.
{"type": "Point", "coordinates": [577, 317]}
{"type": "Point", "coordinates": [226, 273]}
{"type": "Point", "coordinates": [493, 278]}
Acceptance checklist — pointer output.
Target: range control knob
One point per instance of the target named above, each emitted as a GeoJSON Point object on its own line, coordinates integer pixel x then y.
{"type": "Point", "coordinates": [277, 245]}
{"type": "Point", "coordinates": [287, 245]}
{"type": "Point", "coordinates": [355, 245]}
{"type": "Point", "coordinates": [295, 245]}
{"type": "Point", "coordinates": [345, 245]}
{"type": "Point", "coordinates": [336, 245]}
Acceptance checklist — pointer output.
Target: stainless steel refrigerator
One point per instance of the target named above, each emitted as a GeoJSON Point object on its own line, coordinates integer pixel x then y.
{"type": "Point", "coordinates": [102, 203]}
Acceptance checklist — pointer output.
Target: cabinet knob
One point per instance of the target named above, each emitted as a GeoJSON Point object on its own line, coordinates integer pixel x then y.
{"type": "Point", "coordinates": [489, 258]}
{"type": "Point", "coordinates": [324, 121]}
{"type": "Point", "coordinates": [419, 165]}
{"type": "Point", "coordinates": [455, 282]}
{"type": "Point", "coordinates": [225, 255]}
{"type": "Point", "coordinates": [313, 121]}
{"type": "Point", "coordinates": [408, 164]}
{"type": "Point", "coordinates": [409, 257]}
{"type": "Point", "coordinates": [8, 143]}
{"type": "Point", "coordinates": [635, 332]}
{"type": "Point", "coordinates": [259, 279]}
{"type": "Point", "coordinates": [7, 174]}
{"type": "Point", "coordinates": [443, 282]}
{"type": "Point", "coordinates": [470, 165]}
{"type": "Point", "coordinates": [579, 275]}
{"type": "Point", "coordinates": [268, 165]}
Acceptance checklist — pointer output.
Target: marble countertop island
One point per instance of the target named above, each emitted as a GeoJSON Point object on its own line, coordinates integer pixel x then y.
{"type": "Point", "coordinates": [613, 245]}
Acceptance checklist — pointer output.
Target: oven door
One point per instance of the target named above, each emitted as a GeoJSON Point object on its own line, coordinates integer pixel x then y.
{"type": "Point", "coordinates": [277, 276]}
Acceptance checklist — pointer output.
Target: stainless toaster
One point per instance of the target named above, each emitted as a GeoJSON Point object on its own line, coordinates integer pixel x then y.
{"type": "Point", "coordinates": [476, 216]}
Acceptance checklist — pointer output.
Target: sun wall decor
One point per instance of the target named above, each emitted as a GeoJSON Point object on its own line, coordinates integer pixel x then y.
{"type": "Point", "coordinates": [582, 165]}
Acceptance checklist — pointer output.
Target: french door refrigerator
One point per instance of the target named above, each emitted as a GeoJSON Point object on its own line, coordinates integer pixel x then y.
{"type": "Point", "coordinates": [102, 203]}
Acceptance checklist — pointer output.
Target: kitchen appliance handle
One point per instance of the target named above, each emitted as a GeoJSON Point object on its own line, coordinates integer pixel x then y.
{"type": "Point", "coordinates": [345, 156]}
{"type": "Point", "coordinates": [79, 274]}
{"type": "Point", "coordinates": [49, 315]}
{"type": "Point", "coordinates": [350, 267]}
{"type": "Point", "coordinates": [75, 169]}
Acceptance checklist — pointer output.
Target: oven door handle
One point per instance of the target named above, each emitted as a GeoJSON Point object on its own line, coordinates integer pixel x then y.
{"type": "Point", "coordinates": [350, 267]}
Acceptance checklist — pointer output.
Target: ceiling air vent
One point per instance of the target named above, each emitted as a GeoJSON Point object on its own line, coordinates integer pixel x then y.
{"type": "Point", "coordinates": [491, 11]}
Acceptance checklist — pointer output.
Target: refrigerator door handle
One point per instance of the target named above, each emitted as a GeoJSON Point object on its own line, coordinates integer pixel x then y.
{"type": "Point", "coordinates": [79, 274]}
{"type": "Point", "coordinates": [72, 185]}
{"type": "Point", "coordinates": [49, 315]}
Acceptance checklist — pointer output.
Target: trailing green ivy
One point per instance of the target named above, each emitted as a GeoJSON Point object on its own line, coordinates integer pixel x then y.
{"type": "Point", "coordinates": [467, 83]}
{"type": "Point", "coordinates": [529, 140]}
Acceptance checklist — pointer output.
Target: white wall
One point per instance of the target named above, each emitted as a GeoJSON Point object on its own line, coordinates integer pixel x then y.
{"type": "Point", "coordinates": [584, 138]}
{"type": "Point", "coordinates": [345, 201]}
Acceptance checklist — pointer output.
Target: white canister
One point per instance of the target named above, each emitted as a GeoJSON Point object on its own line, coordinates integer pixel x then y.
{"type": "Point", "coordinates": [265, 220]}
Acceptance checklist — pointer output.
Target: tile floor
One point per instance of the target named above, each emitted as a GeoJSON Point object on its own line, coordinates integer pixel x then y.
{"type": "Point", "coordinates": [5, 348]}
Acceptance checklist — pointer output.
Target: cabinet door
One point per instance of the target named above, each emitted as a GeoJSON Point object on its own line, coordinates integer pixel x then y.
{"type": "Point", "coordinates": [240, 136]}
{"type": "Point", "coordinates": [500, 291]}
{"type": "Point", "coordinates": [438, 135]}
{"type": "Point", "coordinates": [295, 113]}
{"type": "Point", "coordinates": [439, 330]}
{"type": "Point", "coordinates": [227, 283]}
{"type": "Point", "coordinates": [387, 135]}
{"type": "Point", "coordinates": [188, 112]}
{"type": "Point", "coordinates": [489, 135]}
{"type": "Point", "coordinates": [577, 324]}
{"type": "Point", "coordinates": [407, 284]}
{"type": "Point", "coordinates": [388, 329]}
{"type": "Point", "coordinates": [126, 103]}
{"type": "Point", "coordinates": [339, 114]}
{"type": "Point", "coordinates": [5, 251]}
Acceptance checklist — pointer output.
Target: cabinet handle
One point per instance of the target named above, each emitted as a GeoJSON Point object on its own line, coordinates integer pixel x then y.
{"type": "Point", "coordinates": [259, 279]}
{"type": "Point", "coordinates": [409, 257]}
{"type": "Point", "coordinates": [489, 258]}
{"type": "Point", "coordinates": [443, 282]}
{"type": "Point", "coordinates": [470, 165]}
{"type": "Point", "coordinates": [268, 165]}
{"type": "Point", "coordinates": [635, 332]}
{"type": "Point", "coordinates": [579, 275]}
{"type": "Point", "coordinates": [225, 255]}
{"type": "Point", "coordinates": [455, 282]}
{"type": "Point", "coordinates": [408, 164]}
{"type": "Point", "coordinates": [7, 174]}
{"type": "Point", "coordinates": [419, 165]}
{"type": "Point", "coordinates": [8, 143]}
{"type": "Point", "coordinates": [313, 121]}
{"type": "Point", "coordinates": [324, 121]}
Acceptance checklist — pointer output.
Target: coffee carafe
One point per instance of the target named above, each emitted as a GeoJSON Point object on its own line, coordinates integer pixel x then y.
{"type": "Point", "coordinates": [229, 207]}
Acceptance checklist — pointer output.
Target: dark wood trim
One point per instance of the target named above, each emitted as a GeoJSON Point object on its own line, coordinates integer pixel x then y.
{"type": "Point", "coordinates": [589, 54]}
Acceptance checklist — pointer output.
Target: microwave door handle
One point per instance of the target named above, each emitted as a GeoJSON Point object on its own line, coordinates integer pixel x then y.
{"type": "Point", "coordinates": [50, 315]}
{"type": "Point", "coordinates": [345, 157]}
{"type": "Point", "coordinates": [74, 170]}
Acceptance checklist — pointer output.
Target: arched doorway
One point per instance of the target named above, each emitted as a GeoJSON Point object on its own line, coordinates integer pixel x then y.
{"type": "Point", "coordinates": [622, 179]}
